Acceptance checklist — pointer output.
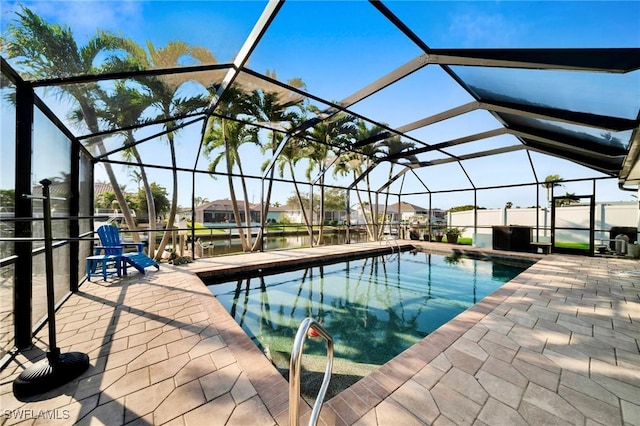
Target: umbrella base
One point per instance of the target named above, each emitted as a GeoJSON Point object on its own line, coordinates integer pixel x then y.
{"type": "Point", "coordinates": [46, 374]}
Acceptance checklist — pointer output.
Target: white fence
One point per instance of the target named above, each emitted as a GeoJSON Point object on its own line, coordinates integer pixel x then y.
{"type": "Point", "coordinates": [607, 216]}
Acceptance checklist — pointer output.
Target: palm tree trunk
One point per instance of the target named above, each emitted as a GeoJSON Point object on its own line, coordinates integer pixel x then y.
{"type": "Point", "coordinates": [264, 212]}
{"type": "Point", "coordinates": [236, 213]}
{"type": "Point", "coordinates": [372, 212]}
{"type": "Point", "coordinates": [321, 231]}
{"type": "Point", "coordinates": [174, 202]}
{"type": "Point", "coordinates": [151, 205]}
{"type": "Point", "coordinates": [386, 205]}
{"type": "Point", "coordinates": [362, 207]}
{"type": "Point", "coordinates": [247, 210]}
{"type": "Point", "coordinates": [304, 213]}
{"type": "Point", "coordinates": [92, 123]}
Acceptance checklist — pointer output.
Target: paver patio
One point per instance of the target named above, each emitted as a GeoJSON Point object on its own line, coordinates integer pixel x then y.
{"type": "Point", "coordinates": [559, 344]}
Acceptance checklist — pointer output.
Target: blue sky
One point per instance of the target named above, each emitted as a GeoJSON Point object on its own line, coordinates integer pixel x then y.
{"type": "Point", "coordinates": [339, 47]}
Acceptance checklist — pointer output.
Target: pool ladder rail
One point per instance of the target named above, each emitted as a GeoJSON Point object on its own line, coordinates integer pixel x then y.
{"type": "Point", "coordinates": [294, 371]}
{"type": "Point", "coordinates": [392, 242]}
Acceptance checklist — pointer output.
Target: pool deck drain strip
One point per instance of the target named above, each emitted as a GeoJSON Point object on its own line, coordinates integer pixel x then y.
{"type": "Point", "coordinates": [559, 343]}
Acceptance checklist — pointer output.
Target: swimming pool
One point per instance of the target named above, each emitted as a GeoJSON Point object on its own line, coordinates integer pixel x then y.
{"type": "Point", "coordinates": [374, 307]}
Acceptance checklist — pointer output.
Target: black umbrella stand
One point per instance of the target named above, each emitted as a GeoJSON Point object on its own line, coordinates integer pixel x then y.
{"type": "Point", "coordinates": [56, 369]}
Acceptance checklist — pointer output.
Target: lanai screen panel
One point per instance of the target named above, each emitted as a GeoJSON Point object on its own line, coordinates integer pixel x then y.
{"type": "Point", "coordinates": [423, 92]}
{"type": "Point", "coordinates": [336, 48]}
{"type": "Point", "coordinates": [509, 24]}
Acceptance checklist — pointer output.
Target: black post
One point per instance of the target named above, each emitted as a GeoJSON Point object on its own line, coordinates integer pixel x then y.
{"type": "Point", "coordinates": [56, 369]}
{"type": "Point", "coordinates": [193, 218]}
{"type": "Point", "coordinates": [23, 209]}
{"type": "Point", "coordinates": [348, 229]}
{"type": "Point", "coordinates": [54, 351]}
{"type": "Point", "coordinates": [74, 224]}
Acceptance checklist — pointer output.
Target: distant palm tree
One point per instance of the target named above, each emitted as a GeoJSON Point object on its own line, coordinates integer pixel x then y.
{"type": "Point", "coordinates": [393, 146]}
{"type": "Point", "coordinates": [551, 181]}
{"type": "Point", "coordinates": [199, 201]}
{"type": "Point", "coordinates": [568, 199]}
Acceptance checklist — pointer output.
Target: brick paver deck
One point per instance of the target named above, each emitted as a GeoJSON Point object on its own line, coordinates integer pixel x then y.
{"type": "Point", "coordinates": [559, 344]}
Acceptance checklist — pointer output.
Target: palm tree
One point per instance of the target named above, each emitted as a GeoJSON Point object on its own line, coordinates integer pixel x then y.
{"type": "Point", "coordinates": [46, 50]}
{"type": "Point", "coordinates": [227, 135]}
{"type": "Point", "coordinates": [137, 178]}
{"type": "Point", "coordinates": [551, 181]}
{"type": "Point", "coordinates": [199, 201]}
{"type": "Point", "coordinates": [356, 164]}
{"type": "Point", "coordinates": [294, 151]}
{"type": "Point", "coordinates": [269, 107]}
{"type": "Point", "coordinates": [167, 103]}
{"type": "Point", "coordinates": [337, 130]}
{"type": "Point", "coordinates": [568, 199]}
{"type": "Point", "coordinates": [393, 146]}
{"type": "Point", "coordinates": [125, 106]}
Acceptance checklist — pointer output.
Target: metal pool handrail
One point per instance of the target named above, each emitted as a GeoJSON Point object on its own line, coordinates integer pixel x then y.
{"type": "Point", "coordinates": [389, 242]}
{"type": "Point", "coordinates": [294, 371]}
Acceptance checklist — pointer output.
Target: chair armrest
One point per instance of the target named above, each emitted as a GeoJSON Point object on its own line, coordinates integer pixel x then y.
{"type": "Point", "coordinates": [139, 246]}
{"type": "Point", "coordinates": [99, 249]}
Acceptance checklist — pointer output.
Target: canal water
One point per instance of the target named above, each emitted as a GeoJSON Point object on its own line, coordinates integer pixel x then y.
{"type": "Point", "coordinates": [232, 245]}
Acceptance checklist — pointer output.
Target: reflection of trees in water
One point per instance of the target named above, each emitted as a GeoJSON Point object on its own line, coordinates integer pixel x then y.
{"type": "Point", "coordinates": [367, 334]}
{"type": "Point", "coordinates": [373, 308]}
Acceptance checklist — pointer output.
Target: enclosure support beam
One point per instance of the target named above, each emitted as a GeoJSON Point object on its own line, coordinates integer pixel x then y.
{"type": "Point", "coordinates": [74, 209]}
{"type": "Point", "coordinates": [23, 287]}
{"type": "Point", "coordinates": [268, 15]}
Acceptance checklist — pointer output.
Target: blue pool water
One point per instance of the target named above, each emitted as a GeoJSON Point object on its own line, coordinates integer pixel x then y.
{"type": "Point", "coordinates": [374, 308]}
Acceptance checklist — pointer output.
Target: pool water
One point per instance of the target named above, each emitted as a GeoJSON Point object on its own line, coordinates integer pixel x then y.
{"type": "Point", "coordinates": [374, 308]}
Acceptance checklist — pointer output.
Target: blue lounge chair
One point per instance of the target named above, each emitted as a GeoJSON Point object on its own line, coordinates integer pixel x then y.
{"type": "Point", "coordinates": [112, 245]}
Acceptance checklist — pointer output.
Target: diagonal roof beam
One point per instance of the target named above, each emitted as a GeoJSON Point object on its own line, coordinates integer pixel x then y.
{"type": "Point", "coordinates": [571, 117]}
{"type": "Point", "coordinates": [395, 75]}
{"type": "Point", "coordinates": [479, 154]}
{"type": "Point", "coordinates": [565, 116]}
{"type": "Point", "coordinates": [397, 176]}
{"type": "Point", "coordinates": [268, 15]}
{"type": "Point", "coordinates": [148, 138]}
{"type": "Point", "coordinates": [452, 142]}
{"type": "Point", "coordinates": [453, 112]}
{"type": "Point", "coordinates": [560, 144]}
{"type": "Point", "coordinates": [420, 179]}
{"type": "Point", "coordinates": [399, 23]}
{"type": "Point", "coordinates": [610, 168]}
{"type": "Point", "coordinates": [122, 75]}
{"type": "Point", "coordinates": [362, 176]}
{"type": "Point", "coordinates": [398, 74]}
{"type": "Point", "coordinates": [631, 161]}
{"type": "Point", "coordinates": [620, 60]}
{"type": "Point", "coordinates": [140, 125]}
